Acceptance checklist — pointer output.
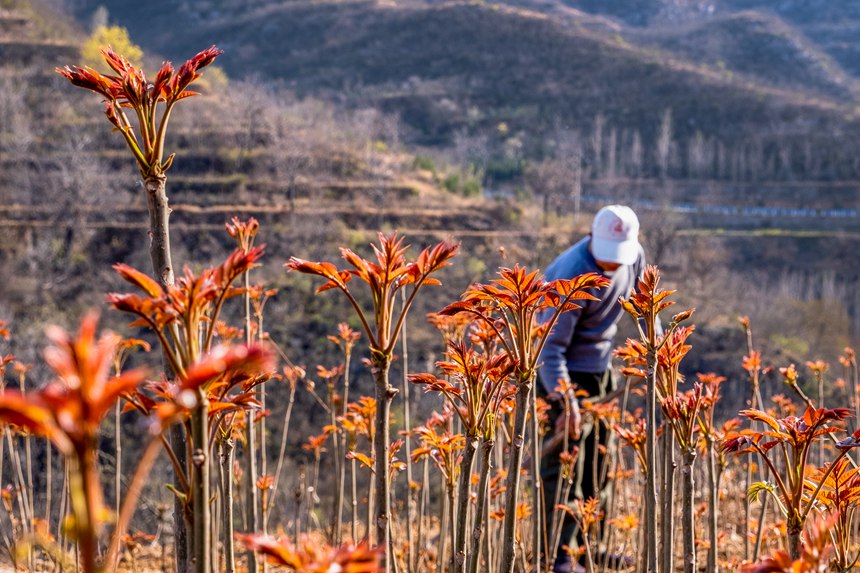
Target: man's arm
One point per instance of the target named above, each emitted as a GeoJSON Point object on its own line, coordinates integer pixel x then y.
{"type": "Point", "coordinates": [553, 358]}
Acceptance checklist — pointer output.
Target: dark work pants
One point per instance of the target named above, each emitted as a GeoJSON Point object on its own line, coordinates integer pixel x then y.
{"type": "Point", "coordinates": [584, 486]}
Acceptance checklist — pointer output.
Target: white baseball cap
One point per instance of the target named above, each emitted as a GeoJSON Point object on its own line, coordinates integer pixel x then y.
{"type": "Point", "coordinates": [615, 235]}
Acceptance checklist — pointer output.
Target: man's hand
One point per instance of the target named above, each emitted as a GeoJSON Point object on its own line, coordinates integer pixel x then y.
{"type": "Point", "coordinates": [574, 422]}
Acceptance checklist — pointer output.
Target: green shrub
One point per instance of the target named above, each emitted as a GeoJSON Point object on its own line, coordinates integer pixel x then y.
{"type": "Point", "coordinates": [424, 163]}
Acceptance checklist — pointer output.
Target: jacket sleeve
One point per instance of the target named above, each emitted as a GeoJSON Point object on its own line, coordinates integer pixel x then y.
{"type": "Point", "coordinates": [553, 358]}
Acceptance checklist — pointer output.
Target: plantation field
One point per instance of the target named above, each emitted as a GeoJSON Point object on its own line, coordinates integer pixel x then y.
{"type": "Point", "coordinates": [298, 326]}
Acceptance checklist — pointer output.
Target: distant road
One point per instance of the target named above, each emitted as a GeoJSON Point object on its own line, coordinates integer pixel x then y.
{"type": "Point", "coordinates": [732, 210]}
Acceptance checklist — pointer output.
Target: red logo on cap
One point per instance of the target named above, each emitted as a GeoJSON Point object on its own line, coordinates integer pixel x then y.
{"type": "Point", "coordinates": [618, 228]}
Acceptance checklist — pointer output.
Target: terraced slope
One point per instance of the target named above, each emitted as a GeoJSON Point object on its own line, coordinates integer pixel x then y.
{"type": "Point", "coordinates": [453, 66]}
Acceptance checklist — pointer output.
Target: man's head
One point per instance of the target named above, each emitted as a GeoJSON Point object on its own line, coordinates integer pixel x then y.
{"type": "Point", "coordinates": [615, 237]}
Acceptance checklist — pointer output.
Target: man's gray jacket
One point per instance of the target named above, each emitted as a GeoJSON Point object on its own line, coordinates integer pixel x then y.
{"type": "Point", "coordinates": [582, 339]}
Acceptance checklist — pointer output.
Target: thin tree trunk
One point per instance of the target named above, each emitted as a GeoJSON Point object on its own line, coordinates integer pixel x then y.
{"type": "Point", "coordinates": [479, 523]}
{"type": "Point", "coordinates": [336, 521]}
{"type": "Point", "coordinates": [650, 494]}
{"type": "Point", "coordinates": [64, 509]}
{"type": "Point", "coordinates": [28, 461]}
{"type": "Point", "coordinates": [264, 506]}
{"type": "Point", "coordinates": [515, 464]}
{"type": "Point", "coordinates": [820, 379]}
{"type": "Point", "coordinates": [760, 531]}
{"type": "Point", "coordinates": [133, 492]}
{"type": "Point", "coordinates": [227, 496]}
{"type": "Point", "coordinates": [162, 266]}
{"type": "Point", "coordinates": [371, 495]}
{"type": "Point", "coordinates": [422, 510]}
{"type": "Point", "coordinates": [118, 449]}
{"type": "Point", "coordinates": [252, 496]}
{"type": "Point", "coordinates": [445, 526]}
{"type": "Point", "coordinates": [453, 512]}
{"type": "Point", "coordinates": [159, 229]}
{"type": "Point", "coordinates": [463, 503]}
{"type": "Point", "coordinates": [794, 542]}
{"type": "Point", "coordinates": [85, 483]}
{"type": "Point", "coordinates": [854, 381]}
{"type": "Point", "coordinates": [537, 489]}
{"type": "Point", "coordinates": [384, 395]}
{"type": "Point", "coordinates": [407, 438]}
{"type": "Point", "coordinates": [353, 502]}
{"type": "Point", "coordinates": [688, 523]}
{"type": "Point", "coordinates": [667, 539]}
{"type": "Point", "coordinates": [280, 465]}
{"type": "Point", "coordinates": [713, 509]}
{"type": "Point", "coordinates": [49, 485]}
{"type": "Point", "coordinates": [200, 485]}
{"type": "Point", "coordinates": [337, 526]}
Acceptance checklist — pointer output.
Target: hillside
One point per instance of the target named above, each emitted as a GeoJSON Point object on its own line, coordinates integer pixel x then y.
{"type": "Point", "coordinates": [758, 46]}
{"type": "Point", "coordinates": [456, 69]}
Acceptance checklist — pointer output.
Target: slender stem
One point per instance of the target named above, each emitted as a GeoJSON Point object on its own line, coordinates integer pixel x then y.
{"type": "Point", "coordinates": [480, 523]}
{"type": "Point", "coordinates": [162, 266]}
{"type": "Point", "coordinates": [667, 539]}
{"type": "Point", "coordinates": [384, 395]}
{"type": "Point", "coordinates": [453, 512]}
{"type": "Point", "coordinates": [760, 531]}
{"type": "Point", "coordinates": [200, 485]}
{"type": "Point", "coordinates": [353, 501]}
{"type": "Point", "coordinates": [339, 466]}
{"type": "Point", "coordinates": [159, 214]}
{"type": "Point", "coordinates": [442, 553]}
{"type": "Point", "coordinates": [463, 497]}
{"type": "Point", "coordinates": [227, 453]}
{"type": "Point", "coordinates": [407, 425]}
{"type": "Point", "coordinates": [48, 480]}
{"type": "Point", "coordinates": [713, 507]}
{"type": "Point", "coordinates": [251, 493]}
{"type": "Point", "coordinates": [524, 388]}
{"type": "Point", "coordinates": [85, 497]}
{"type": "Point", "coordinates": [286, 429]}
{"type": "Point", "coordinates": [589, 555]}
{"type": "Point", "coordinates": [118, 449]}
{"type": "Point", "coordinates": [537, 486]}
{"type": "Point", "coordinates": [129, 504]}
{"type": "Point", "coordinates": [650, 525]}
{"type": "Point", "coordinates": [688, 523]}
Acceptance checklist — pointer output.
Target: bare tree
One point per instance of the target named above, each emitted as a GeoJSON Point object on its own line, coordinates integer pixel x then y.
{"type": "Point", "coordinates": [637, 155]}
{"type": "Point", "coordinates": [664, 144]}
{"type": "Point", "coordinates": [597, 145]}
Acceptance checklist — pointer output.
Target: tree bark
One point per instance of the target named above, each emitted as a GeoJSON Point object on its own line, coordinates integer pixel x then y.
{"type": "Point", "coordinates": [537, 488]}
{"type": "Point", "coordinates": [407, 439]}
{"type": "Point", "coordinates": [514, 465]}
{"type": "Point", "coordinates": [252, 495]}
{"type": "Point", "coordinates": [650, 525]}
{"type": "Point", "coordinates": [463, 503]}
{"type": "Point", "coordinates": [667, 538]}
{"type": "Point", "coordinates": [200, 485]}
{"type": "Point", "coordinates": [384, 395]}
{"type": "Point", "coordinates": [688, 523]}
{"type": "Point", "coordinates": [794, 541]}
{"type": "Point", "coordinates": [85, 496]}
{"type": "Point", "coordinates": [162, 267]}
{"type": "Point", "coordinates": [479, 522]}
{"type": "Point", "coordinates": [713, 509]}
{"type": "Point", "coordinates": [159, 229]}
{"type": "Point", "coordinates": [227, 496]}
